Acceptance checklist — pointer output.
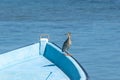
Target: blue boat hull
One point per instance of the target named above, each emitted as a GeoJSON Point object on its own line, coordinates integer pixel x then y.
{"type": "Point", "coordinates": [68, 64]}
{"type": "Point", "coordinates": [40, 61]}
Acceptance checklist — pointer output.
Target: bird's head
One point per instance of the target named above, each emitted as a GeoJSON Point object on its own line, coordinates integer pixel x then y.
{"type": "Point", "coordinates": [68, 34]}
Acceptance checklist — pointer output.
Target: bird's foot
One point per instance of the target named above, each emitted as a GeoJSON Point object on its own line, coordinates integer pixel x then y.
{"type": "Point", "coordinates": [68, 54]}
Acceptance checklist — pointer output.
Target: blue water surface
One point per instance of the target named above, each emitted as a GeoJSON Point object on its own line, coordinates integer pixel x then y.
{"type": "Point", "coordinates": [94, 24]}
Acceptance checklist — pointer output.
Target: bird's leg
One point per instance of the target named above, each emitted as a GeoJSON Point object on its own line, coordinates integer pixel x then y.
{"type": "Point", "coordinates": [68, 54]}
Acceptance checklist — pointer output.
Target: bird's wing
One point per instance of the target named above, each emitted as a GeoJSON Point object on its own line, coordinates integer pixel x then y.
{"type": "Point", "coordinates": [64, 47]}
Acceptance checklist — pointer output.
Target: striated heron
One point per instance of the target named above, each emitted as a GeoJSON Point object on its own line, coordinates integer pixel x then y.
{"type": "Point", "coordinates": [67, 43]}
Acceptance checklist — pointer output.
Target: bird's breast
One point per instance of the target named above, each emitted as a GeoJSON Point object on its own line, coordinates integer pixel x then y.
{"type": "Point", "coordinates": [70, 42]}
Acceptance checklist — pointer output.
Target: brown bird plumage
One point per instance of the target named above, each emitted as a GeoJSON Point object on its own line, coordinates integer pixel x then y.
{"type": "Point", "coordinates": [67, 43]}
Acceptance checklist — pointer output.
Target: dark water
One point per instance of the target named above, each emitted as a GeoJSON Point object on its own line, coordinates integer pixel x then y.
{"type": "Point", "coordinates": [94, 24]}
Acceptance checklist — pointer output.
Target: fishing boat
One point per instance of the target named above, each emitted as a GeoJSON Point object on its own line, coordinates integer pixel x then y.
{"type": "Point", "coordinates": [40, 61]}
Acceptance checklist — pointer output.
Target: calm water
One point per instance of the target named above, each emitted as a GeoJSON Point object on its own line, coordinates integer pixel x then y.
{"type": "Point", "coordinates": [94, 24]}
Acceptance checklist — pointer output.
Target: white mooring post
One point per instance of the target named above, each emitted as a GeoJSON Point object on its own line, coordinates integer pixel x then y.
{"type": "Point", "coordinates": [43, 41]}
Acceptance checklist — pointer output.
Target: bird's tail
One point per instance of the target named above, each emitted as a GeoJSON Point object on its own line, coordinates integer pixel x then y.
{"type": "Point", "coordinates": [63, 50]}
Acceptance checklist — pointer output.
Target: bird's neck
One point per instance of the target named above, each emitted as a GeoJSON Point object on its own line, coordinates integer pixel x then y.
{"type": "Point", "coordinates": [69, 40]}
{"type": "Point", "coordinates": [69, 37]}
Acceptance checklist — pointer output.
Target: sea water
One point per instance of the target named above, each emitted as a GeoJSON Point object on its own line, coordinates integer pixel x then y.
{"type": "Point", "coordinates": [94, 24]}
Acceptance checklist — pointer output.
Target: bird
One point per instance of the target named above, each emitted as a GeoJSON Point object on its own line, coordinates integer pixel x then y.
{"type": "Point", "coordinates": [67, 43]}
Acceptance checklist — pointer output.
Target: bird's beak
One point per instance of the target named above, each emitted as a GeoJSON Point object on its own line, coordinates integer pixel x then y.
{"type": "Point", "coordinates": [65, 34]}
